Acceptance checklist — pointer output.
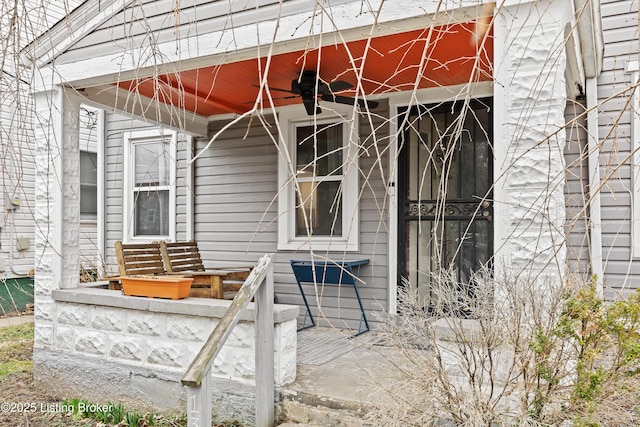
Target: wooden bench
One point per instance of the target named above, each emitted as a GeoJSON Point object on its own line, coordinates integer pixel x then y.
{"type": "Point", "coordinates": [184, 258]}
{"type": "Point", "coordinates": [180, 258]}
{"type": "Point", "coordinates": [139, 259]}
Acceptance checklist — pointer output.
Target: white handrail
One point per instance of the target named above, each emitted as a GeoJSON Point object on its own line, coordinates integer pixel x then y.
{"type": "Point", "coordinates": [198, 377]}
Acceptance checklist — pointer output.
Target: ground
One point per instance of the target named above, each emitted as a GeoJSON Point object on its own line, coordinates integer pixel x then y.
{"type": "Point", "coordinates": [20, 400]}
{"type": "Point", "coordinates": [24, 404]}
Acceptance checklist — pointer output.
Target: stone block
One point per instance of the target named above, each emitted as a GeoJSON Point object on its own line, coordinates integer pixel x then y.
{"type": "Point", "coordinates": [129, 349]}
{"type": "Point", "coordinates": [243, 335]}
{"type": "Point", "coordinates": [166, 355]}
{"type": "Point", "coordinates": [534, 170]}
{"type": "Point", "coordinates": [106, 319]}
{"type": "Point", "coordinates": [43, 335]}
{"type": "Point", "coordinates": [286, 336]}
{"type": "Point", "coordinates": [45, 310]}
{"type": "Point", "coordinates": [235, 362]}
{"type": "Point", "coordinates": [92, 343]}
{"type": "Point", "coordinates": [185, 328]}
{"type": "Point", "coordinates": [145, 324]}
{"type": "Point", "coordinates": [284, 370]}
{"type": "Point", "coordinates": [71, 212]}
{"type": "Point", "coordinates": [64, 339]}
{"type": "Point", "coordinates": [72, 314]}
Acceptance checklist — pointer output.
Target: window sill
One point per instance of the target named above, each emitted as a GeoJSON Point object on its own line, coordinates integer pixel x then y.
{"type": "Point", "coordinates": [319, 245]}
{"type": "Point", "coordinates": [201, 307]}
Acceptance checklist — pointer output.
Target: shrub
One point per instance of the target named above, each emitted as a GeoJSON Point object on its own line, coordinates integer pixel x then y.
{"type": "Point", "coordinates": [514, 351]}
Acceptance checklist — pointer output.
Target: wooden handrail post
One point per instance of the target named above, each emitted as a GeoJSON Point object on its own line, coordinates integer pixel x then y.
{"type": "Point", "coordinates": [199, 402]}
{"type": "Point", "coordinates": [197, 378]}
{"type": "Point", "coordinates": [265, 394]}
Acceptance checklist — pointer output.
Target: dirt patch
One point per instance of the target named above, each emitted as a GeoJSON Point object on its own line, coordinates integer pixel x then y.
{"type": "Point", "coordinates": [24, 405]}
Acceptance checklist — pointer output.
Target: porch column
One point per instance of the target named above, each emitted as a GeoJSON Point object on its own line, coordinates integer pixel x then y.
{"type": "Point", "coordinates": [530, 99]}
{"type": "Point", "coordinates": [57, 202]}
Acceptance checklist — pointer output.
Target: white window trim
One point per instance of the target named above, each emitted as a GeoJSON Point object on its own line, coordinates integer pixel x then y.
{"type": "Point", "coordinates": [634, 69]}
{"type": "Point", "coordinates": [289, 119]}
{"type": "Point", "coordinates": [130, 139]}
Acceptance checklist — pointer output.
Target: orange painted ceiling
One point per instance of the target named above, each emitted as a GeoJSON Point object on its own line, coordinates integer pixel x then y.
{"type": "Point", "coordinates": [389, 64]}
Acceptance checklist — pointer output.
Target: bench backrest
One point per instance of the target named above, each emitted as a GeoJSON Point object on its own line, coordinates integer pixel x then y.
{"type": "Point", "coordinates": [139, 259]}
{"type": "Point", "coordinates": [181, 256]}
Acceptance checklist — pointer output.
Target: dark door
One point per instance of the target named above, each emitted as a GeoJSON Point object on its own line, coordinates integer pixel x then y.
{"type": "Point", "coordinates": [445, 195]}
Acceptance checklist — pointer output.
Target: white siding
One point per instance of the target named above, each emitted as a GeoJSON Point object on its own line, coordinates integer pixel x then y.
{"type": "Point", "coordinates": [620, 26]}
{"type": "Point", "coordinates": [166, 22]}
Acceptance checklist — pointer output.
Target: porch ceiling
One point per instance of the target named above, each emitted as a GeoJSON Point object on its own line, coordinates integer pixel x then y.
{"type": "Point", "coordinates": [388, 63]}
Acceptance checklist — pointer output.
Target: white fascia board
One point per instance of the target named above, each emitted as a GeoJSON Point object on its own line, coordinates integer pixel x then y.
{"type": "Point", "coordinates": [574, 71]}
{"type": "Point", "coordinates": [589, 24]}
{"type": "Point", "coordinates": [84, 19]}
{"type": "Point", "coordinates": [289, 33]}
{"type": "Point", "coordinates": [112, 97]}
{"type": "Point", "coordinates": [440, 94]}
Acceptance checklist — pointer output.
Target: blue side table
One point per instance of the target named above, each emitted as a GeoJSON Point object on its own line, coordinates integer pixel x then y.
{"type": "Point", "coordinates": [329, 273]}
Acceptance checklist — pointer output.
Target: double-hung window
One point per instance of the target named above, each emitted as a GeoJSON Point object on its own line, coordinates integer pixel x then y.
{"type": "Point", "coordinates": [318, 175]}
{"type": "Point", "coordinates": [88, 185]}
{"type": "Point", "coordinates": [150, 171]}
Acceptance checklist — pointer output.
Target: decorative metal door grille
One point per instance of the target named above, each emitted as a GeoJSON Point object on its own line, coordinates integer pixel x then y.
{"type": "Point", "coordinates": [445, 198]}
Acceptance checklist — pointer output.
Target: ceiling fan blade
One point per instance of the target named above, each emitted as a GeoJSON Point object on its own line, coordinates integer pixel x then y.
{"type": "Point", "coordinates": [280, 98]}
{"type": "Point", "coordinates": [349, 101]}
{"type": "Point", "coordinates": [275, 89]}
{"type": "Point", "coordinates": [336, 86]}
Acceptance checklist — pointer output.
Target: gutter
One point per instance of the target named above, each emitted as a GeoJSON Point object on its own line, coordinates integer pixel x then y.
{"type": "Point", "coordinates": [589, 26]}
{"type": "Point", "coordinates": [595, 213]}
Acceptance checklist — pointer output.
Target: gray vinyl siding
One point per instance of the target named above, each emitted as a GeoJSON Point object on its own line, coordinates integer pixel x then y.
{"type": "Point", "coordinates": [116, 127]}
{"type": "Point", "coordinates": [18, 175]}
{"type": "Point", "coordinates": [236, 186]}
{"type": "Point", "coordinates": [577, 193]}
{"type": "Point", "coordinates": [132, 26]}
{"type": "Point", "coordinates": [620, 27]}
{"type": "Point", "coordinates": [17, 141]}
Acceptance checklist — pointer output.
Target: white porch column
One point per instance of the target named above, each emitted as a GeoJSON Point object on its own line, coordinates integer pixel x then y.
{"type": "Point", "coordinates": [57, 202]}
{"type": "Point", "coordinates": [530, 99]}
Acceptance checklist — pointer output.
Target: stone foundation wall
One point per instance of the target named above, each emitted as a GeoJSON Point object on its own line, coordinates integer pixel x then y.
{"type": "Point", "coordinates": [107, 346]}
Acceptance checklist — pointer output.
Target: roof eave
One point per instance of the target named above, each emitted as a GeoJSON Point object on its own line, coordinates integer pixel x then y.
{"type": "Point", "coordinates": [589, 23]}
{"type": "Point", "coordinates": [81, 21]}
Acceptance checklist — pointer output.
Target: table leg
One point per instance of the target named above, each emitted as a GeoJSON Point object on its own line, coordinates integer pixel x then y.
{"type": "Point", "coordinates": [216, 287]}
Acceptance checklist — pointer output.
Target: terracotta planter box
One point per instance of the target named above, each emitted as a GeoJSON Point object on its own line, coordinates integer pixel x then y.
{"type": "Point", "coordinates": [157, 286]}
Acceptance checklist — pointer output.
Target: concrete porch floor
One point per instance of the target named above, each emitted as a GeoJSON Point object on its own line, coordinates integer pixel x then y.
{"type": "Point", "coordinates": [337, 378]}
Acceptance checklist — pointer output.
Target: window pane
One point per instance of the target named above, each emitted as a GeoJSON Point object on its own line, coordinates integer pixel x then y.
{"type": "Point", "coordinates": [325, 146]}
{"type": "Point", "coordinates": [151, 213]}
{"type": "Point", "coordinates": [88, 199]}
{"type": "Point", "coordinates": [88, 183]}
{"type": "Point", "coordinates": [323, 211]}
{"type": "Point", "coordinates": [151, 161]}
{"type": "Point", "coordinates": [88, 168]}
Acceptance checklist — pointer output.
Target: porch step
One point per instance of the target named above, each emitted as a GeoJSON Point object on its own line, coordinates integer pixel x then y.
{"type": "Point", "coordinates": [308, 409]}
